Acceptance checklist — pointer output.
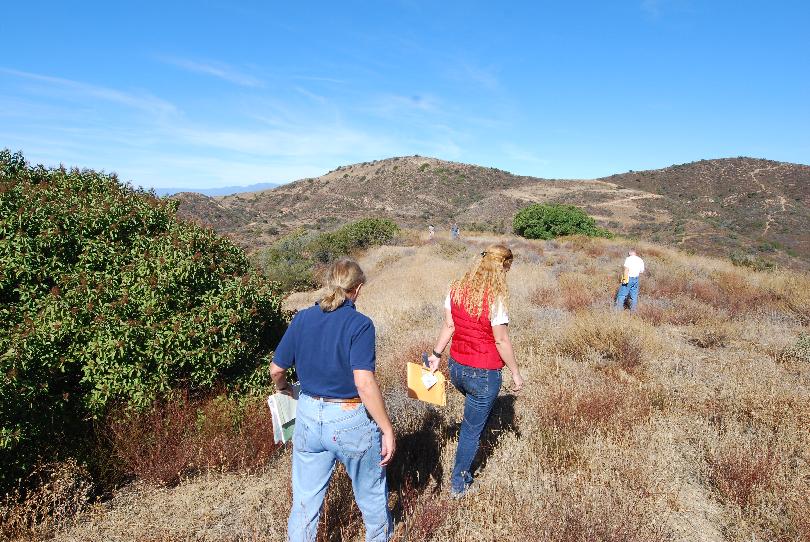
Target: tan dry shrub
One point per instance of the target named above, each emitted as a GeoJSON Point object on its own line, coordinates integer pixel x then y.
{"type": "Point", "coordinates": [605, 405]}
{"type": "Point", "coordinates": [706, 291]}
{"type": "Point", "coordinates": [739, 471]}
{"type": "Point", "coordinates": [594, 250]}
{"type": "Point", "coordinates": [667, 285]}
{"type": "Point", "coordinates": [576, 292]}
{"type": "Point", "coordinates": [654, 314]}
{"type": "Point", "coordinates": [558, 450]}
{"type": "Point", "coordinates": [52, 496]}
{"type": "Point", "coordinates": [799, 515]}
{"type": "Point", "coordinates": [579, 511]}
{"type": "Point", "coordinates": [589, 245]}
{"type": "Point", "coordinates": [615, 337]}
{"type": "Point", "coordinates": [651, 252]}
{"type": "Point", "coordinates": [680, 311]}
{"type": "Point", "coordinates": [544, 296]}
{"type": "Point", "coordinates": [792, 290]}
{"type": "Point", "coordinates": [423, 512]}
{"type": "Point", "coordinates": [799, 351]}
{"type": "Point", "coordinates": [739, 296]}
{"type": "Point", "coordinates": [715, 335]}
{"type": "Point", "coordinates": [451, 250]}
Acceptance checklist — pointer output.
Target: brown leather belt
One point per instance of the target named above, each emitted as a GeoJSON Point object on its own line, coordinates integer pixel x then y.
{"type": "Point", "coordinates": [336, 399]}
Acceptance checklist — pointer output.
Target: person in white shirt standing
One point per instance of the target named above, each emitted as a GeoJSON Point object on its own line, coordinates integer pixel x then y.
{"type": "Point", "coordinates": [633, 267]}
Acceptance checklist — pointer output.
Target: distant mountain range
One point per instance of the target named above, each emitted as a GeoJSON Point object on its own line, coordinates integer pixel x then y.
{"type": "Point", "coordinates": [224, 191]}
{"type": "Point", "coordinates": [745, 205]}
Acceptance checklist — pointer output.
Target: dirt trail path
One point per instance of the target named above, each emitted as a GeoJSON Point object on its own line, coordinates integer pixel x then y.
{"type": "Point", "coordinates": [768, 201]}
{"type": "Point", "coordinates": [629, 198]}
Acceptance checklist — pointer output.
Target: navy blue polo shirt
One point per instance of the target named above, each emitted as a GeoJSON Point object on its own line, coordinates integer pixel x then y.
{"type": "Point", "coordinates": [326, 347]}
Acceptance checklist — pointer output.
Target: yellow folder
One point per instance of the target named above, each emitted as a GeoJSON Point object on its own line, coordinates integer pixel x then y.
{"type": "Point", "coordinates": [416, 389]}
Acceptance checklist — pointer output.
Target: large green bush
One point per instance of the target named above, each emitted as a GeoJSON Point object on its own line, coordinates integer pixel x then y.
{"type": "Point", "coordinates": [550, 220]}
{"type": "Point", "coordinates": [106, 298]}
{"type": "Point", "coordinates": [292, 259]}
{"type": "Point", "coordinates": [353, 236]}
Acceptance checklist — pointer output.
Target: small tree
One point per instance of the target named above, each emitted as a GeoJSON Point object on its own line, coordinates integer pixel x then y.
{"type": "Point", "coordinates": [549, 220]}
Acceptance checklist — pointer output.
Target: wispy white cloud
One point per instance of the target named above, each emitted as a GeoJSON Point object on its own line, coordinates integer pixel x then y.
{"type": "Point", "coordinates": [214, 69]}
{"type": "Point", "coordinates": [295, 142]}
{"type": "Point", "coordinates": [318, 78]}
{"type": "Point", "coordinates": [311, 95]}
{"type": "Point", "coordinates": [483, 77]}
{"type": "Point", "coordinates": [275, 138]}
{"type": "Point", "coordinates": [140, 101]}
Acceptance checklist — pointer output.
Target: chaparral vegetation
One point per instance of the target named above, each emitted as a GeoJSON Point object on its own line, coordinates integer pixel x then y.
{"type": "Point", "coordinates": [687, 420]}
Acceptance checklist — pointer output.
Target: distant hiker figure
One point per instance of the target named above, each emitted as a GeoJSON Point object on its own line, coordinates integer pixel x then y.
{"type": "Point", "coordinates": [633, 267]}
{"type": "Point", "coordinates": [454, 232]}
{"type": "Point", "coordinates": [475, 317]}
{"type": "Point", "coordinates": [431, 232]}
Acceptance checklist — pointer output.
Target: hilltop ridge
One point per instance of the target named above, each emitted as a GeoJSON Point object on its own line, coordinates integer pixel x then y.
{"type": "Point", "coordinates": [727, 205]}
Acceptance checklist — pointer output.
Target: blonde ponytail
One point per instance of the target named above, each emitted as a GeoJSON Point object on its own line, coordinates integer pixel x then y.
{"type": "Point", "coordinates": [342, 277]}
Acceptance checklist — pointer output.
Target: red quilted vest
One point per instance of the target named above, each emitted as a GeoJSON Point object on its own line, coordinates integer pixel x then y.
{"type": "Point", "coordinates": [473, 341]}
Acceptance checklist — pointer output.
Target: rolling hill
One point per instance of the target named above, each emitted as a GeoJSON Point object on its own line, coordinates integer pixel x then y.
{"type": "Point", "coordinates": [723, 206]}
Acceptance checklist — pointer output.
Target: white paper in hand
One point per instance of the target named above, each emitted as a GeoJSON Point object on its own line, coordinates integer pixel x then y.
{"type": "Point", "coordinates": [429, 379]}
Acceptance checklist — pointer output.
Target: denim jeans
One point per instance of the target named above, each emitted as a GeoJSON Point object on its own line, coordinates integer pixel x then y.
{"type": "Point", "coordinates": [325, 433]}
{"type": "Point", "coordinates": [631, 289]}
{"type": "Point", "coordinates": [480, 388]}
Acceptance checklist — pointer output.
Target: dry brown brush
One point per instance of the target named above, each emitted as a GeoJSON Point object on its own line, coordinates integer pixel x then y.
{"type": "Point", "coordinates": [183, 436]}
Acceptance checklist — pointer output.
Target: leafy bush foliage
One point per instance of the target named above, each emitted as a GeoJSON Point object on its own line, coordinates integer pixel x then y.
{"type": "Point", "coordinates": [106, 298]}
{"type": "Point", "coordinates": [353, 236]}
{"type": "Point", "coordinates": [292, 259]}
{"type": "Point", "coordinates": [741, 259]}
{"type": "Point", "coordinates": [287, 262]}
{"type": "Point", "coordinates": [546, 221]}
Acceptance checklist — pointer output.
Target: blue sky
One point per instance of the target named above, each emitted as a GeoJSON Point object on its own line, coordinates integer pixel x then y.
{"type": "Point", "coordinates": [218, 93]}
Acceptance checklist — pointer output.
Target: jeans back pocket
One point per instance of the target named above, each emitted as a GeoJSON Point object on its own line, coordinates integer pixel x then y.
{"type": "Point", "coordinates": [355, 441]}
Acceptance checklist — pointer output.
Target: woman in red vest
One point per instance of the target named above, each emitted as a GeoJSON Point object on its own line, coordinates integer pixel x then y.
{"type": "Point", "coordinates": [476, 320]}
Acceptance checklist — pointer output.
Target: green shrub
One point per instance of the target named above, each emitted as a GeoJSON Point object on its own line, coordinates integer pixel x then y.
{"type": "Point", "coordinates": [546, 221]}
{"type": "Point", "coordinates": [106, 298]}
{"type": "Point", "coordinates": [741, 259]}
{"type": "Point", "coordinates": [290, 260]}
{"type": "Point", "coordinates": [287, 262]}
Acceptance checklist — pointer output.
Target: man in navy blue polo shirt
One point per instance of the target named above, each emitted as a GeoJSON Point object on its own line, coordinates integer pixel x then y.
{"type": "Point", "coordinates": [341, 414]}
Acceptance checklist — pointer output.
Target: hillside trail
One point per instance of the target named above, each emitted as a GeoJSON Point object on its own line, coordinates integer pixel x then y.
{"type": "Point", "coordinates": [629, 198]}
{"type": "Point", "coordinates": [782, 200]}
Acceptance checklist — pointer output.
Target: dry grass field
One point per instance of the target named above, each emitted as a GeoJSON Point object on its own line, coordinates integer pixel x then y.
{"type": "Point", "coordinates": [688, 421]}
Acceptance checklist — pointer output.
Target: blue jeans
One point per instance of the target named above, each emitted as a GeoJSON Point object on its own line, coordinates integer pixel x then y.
{"type": "Point", "coordinates": [329, 432]}
{"type": "Point", "coordinates": [480, 388]}
{"type": "Point", "coordinates": [631, 289]}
